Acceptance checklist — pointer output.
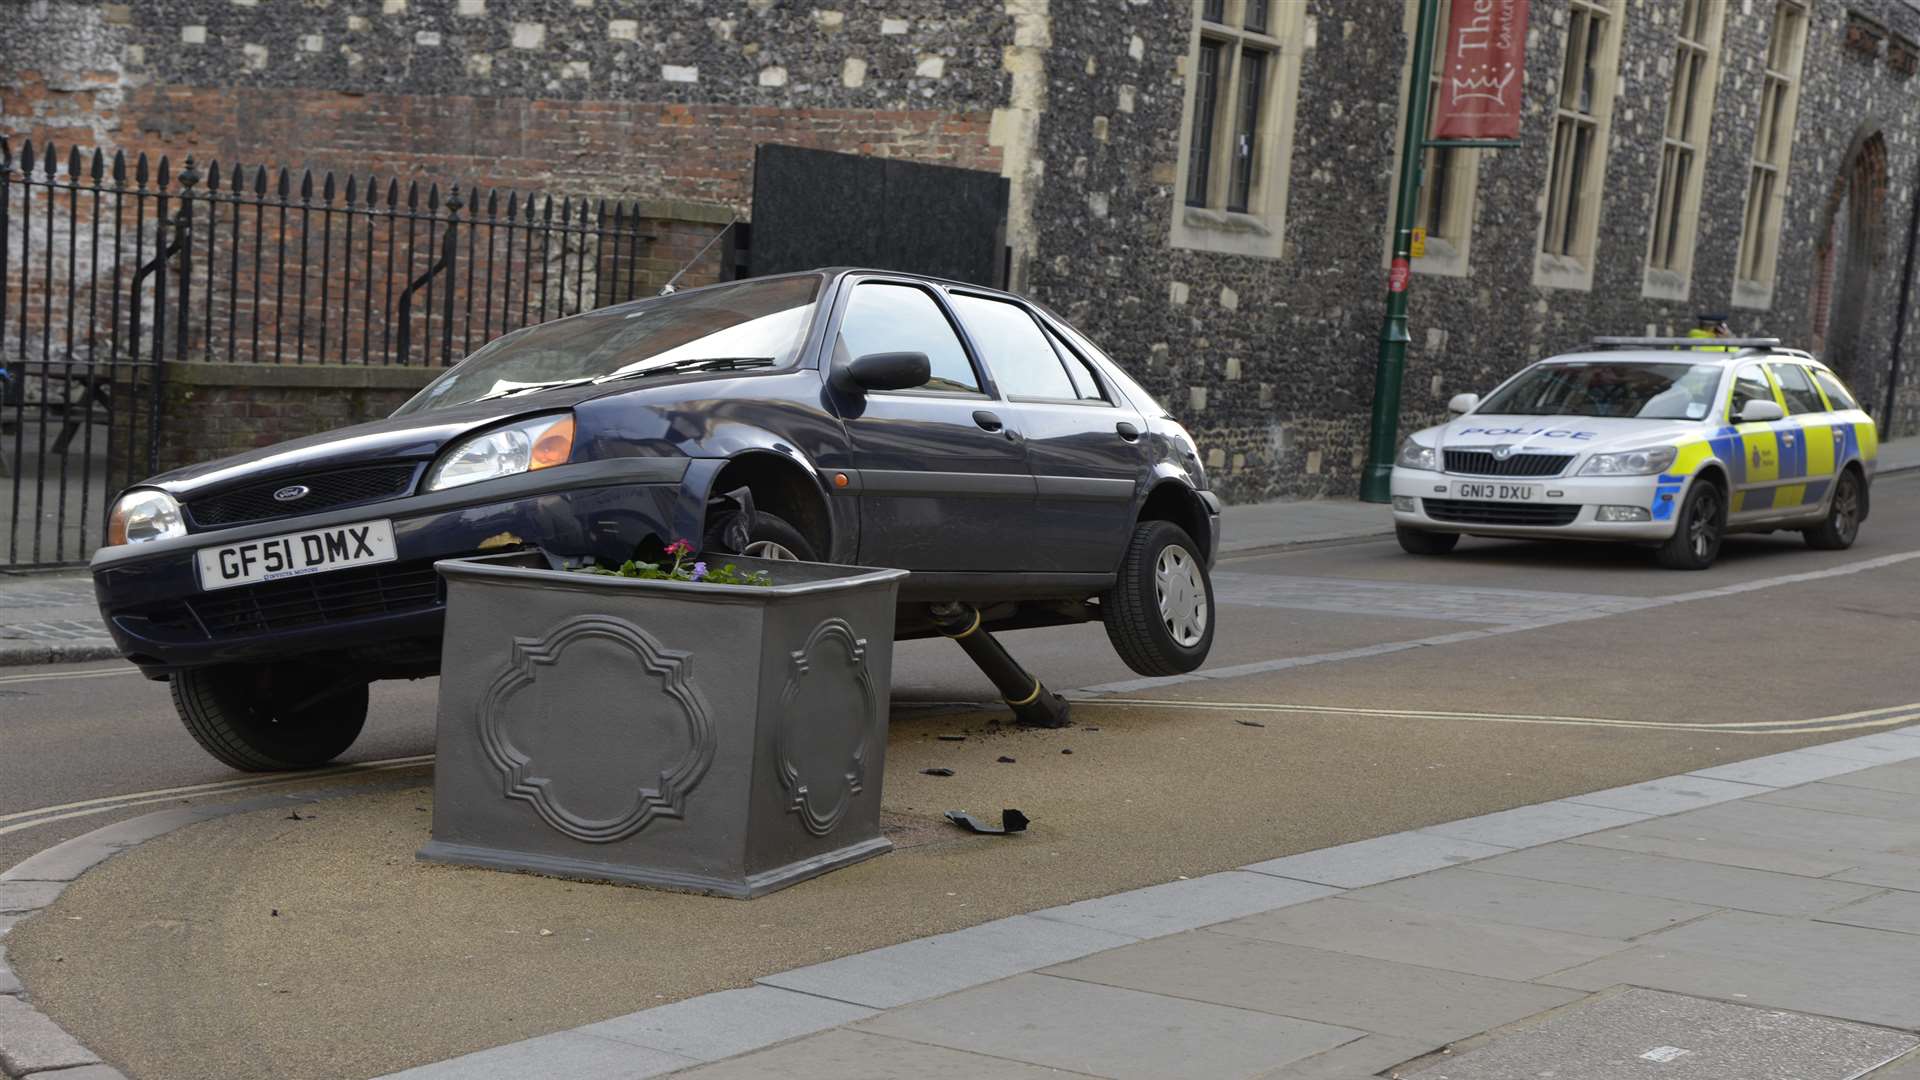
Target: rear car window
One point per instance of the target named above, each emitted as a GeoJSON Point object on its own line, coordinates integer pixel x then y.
{"type": "Point", "coordinates": [1022, 360]}
{"type": "Point", "coordinates": [883, 317]}
{"type": "Point", "coordinates": [1837, 393]}
{"type": "Point", "coordinates": [1798, 389]}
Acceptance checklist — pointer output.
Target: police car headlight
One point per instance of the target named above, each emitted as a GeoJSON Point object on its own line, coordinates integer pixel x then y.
{"type": "Point", "coordinates": [1415, 456]}
{"type": "Point", "coordinates": [142, 516]}
{"type": "Point", "coordinates": [1630, 462]}
{"type": "Point", "coordinates": [540, 443]}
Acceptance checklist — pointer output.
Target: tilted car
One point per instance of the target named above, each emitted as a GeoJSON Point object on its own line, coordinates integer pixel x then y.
{"type": "Point", "coordinates": [1656, 441]}
{"type": "Point", "coordinates": [849, 416]}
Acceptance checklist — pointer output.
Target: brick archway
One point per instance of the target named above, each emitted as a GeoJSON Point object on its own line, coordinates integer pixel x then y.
{"type": "Point", "coordinates": [1851, 249]}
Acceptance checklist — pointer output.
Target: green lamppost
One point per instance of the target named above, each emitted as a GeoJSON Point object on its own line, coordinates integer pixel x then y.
{"type": "Point", "coordinates": [1383, 436]}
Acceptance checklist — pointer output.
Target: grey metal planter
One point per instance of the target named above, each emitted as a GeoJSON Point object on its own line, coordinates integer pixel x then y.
{"type": "Point", "coordinates": [717, 739]}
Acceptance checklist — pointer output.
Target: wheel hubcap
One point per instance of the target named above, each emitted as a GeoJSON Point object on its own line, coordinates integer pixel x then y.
{"type": "Point", "coordinates": [769, 549]}
{"type": "Point", "coordinates": [1702, 529]}
{"type": "Point", "coordinates": [1846, 509]}
{"type": "Point", "coordinates": [1182, 596]}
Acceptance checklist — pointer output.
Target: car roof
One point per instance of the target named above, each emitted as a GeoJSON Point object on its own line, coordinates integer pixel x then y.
{"type": "Point", "coordinates": [1707, 355]}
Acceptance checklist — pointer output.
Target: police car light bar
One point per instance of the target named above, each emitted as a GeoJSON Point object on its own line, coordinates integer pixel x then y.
{"type": "Point", "coordinates": [1685, 342]}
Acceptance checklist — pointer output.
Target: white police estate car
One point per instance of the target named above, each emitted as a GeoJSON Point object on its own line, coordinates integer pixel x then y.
{"type": "Point", "coordinates": [1652, 440]}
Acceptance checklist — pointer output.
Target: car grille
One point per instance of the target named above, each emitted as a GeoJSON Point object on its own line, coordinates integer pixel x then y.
{"type": "Point", "coordinates": [1474, 512]}
{"type": "Point", "coordinates": [319, 599]}
{"type": "Point", "coordinates": [1483, 463]}
{"type": "Point", "coordinates": [325, 491]}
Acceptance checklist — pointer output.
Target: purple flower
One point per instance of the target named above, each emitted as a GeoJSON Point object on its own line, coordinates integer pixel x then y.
{"type": "Point", "coordinates": [699, 571]}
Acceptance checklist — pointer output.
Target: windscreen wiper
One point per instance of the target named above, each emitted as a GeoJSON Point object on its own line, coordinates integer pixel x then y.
{"type": "Point", "coordinates": [532, 388]}
{"type": "Point", "coordinates": [699, 363]}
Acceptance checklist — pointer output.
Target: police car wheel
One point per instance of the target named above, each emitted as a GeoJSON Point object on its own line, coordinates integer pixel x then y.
{"type": "Point", "coordinates": [1842, 525]}
{"type": "Point", "coordinates": [270, 718]}
{"type": "Point", "coordinates": [1697, 534]}
{"type": "Point", "coordinates": [1159, 614]}
{"type": "Point", "coordinates": [1422, 542]}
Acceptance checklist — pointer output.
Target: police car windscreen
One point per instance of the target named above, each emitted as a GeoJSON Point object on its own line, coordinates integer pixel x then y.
{"type": "Point", "coordinates": [763, 321]}
{"type": "Point", "coordinates": [1643, 391]}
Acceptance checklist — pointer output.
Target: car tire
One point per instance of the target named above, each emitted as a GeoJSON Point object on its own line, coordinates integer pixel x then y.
{"type": "Point", "coordinates": [270, 719]}
{"type": "Point", "coordinates": [1842, 524]}
{"type": "Point", "coordinates": [1424, 542]}
{"type": "Point", "coordinates": [1159, 614]}
{"type": "Point", "coordinates": [1702, 525]}
{"type": "Point", "coordinates": [769, 536]}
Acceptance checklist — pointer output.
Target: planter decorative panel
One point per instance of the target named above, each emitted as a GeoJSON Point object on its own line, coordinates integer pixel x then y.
{"type": "Point", "coordinates": [719, 739]}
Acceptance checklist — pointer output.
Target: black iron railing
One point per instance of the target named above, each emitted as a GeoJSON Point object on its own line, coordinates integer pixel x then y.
{"type": "Point", "coordinates": [110, 266]}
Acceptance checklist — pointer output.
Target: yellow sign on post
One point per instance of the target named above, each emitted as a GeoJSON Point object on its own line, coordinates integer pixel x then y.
{"type": "Point", "coordinates": [1419, 242]}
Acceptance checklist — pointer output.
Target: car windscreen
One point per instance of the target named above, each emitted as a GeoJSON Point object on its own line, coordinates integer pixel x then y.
{"type": "Point", "coordinates": [751, 324]}
{"type": "Point", "coordinates": [1642, 391]}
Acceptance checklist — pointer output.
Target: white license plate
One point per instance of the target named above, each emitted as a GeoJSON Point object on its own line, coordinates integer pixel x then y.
{"type": "Point", "coordinates": [1496, 492]}
{"type": "Point", "coordinates": [310, 551]}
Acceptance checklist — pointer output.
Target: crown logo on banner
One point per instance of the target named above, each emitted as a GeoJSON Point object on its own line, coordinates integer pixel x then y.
{"type": "Point", "coordinates": [1484, 88]}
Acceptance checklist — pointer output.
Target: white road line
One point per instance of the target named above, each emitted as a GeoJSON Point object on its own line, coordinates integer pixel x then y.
{"type": "Point", "coordinates": [1889, 717]}
{"type": "Point", "coordinates": [142, 798]}
{"type": "Point", "coordinates": [55, 676]}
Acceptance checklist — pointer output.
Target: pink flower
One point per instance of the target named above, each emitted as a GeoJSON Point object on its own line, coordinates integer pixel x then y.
{"type": "Point", "coordinates": [680, 547]}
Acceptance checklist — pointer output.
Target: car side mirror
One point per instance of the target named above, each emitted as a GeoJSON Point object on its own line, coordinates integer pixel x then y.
{"type": "Point", "coordinates": [1463, 403]}
{"type": "Point", "coordinates": [885, 371]}
{"type": "Point", "coordinates": [1759, 411]}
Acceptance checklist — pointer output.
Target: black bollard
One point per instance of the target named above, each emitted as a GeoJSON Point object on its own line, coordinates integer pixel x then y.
{"type": "Point", "coordinates": [1032, 703]}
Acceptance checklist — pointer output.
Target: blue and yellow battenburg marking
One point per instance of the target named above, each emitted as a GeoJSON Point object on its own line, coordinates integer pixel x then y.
{"type": "Point", "coordinates": [1761, 455]}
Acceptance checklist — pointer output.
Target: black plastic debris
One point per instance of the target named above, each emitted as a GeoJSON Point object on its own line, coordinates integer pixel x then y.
{"type": "Point", "coordinates": [942, 771]}
{"type": "Point", "coordinates": [1065, 750]}
{"type": "Point", "coordinates": [1005, 760]}
{"type": "Point", "coordinates": [1011, 821]}
{"type": "Point", "coordinates": [1249, 723]}
{"type": "Point", "coordinates": [952, 738]}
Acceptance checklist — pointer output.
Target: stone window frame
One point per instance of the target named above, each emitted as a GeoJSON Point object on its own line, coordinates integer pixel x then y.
{"type": "Point", "coordinates": [1697, 42]}
{"type": "Point", "coordinates": [1568, 262]}
{"type": "Point", "coordinates": [1450, 248]}
{"type": "Point", "coordinates": [1259, 230]}
{"type": "Point", "coordinates": [1769, 166]}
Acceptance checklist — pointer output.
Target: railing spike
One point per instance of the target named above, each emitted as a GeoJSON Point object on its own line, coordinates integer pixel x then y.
{"type": "Point", "coordinates": [353, 183]}
{"type": "Point", "coordinates": [119, 167]}
{"type": "Point", "coordinates": [260, 180]}
{"type": "Point", "coordinates": [393, 192]}
{"type": "Point", "coordinates": [413, 194]}
{"type": "Point", "coordinates": [546, 215]}
{"type": "Point", "coordinates": [140, 171]}
{"type": "Point", "coordinates": [213, 176]}
{"type": "Point", "coordinates": [306, 185]}
{"type": "Point", "coordinates": [284, 185]}
{"type": "Point", "coordinates": [239, 179]}
{"type": "Point", "coordinates": [27, 157]}
{"type": "Point", "coordinates": [566, 210]}
{"type": "Point", "coordinates": [53, 160]}
{"type": "Point", "coordinates": [6, 152]}
{"type": "Point", "coordinates": [163, 176]}
{"type": "Point", "coordinates": [513, 204]}
{"type": "Point", "coordinates": [326, 189]}
{"type": "Point", "coordinates": [99, 168]}
{"type": "Point", "coordinates": [433, 197]}
{"type": "Point", "coordinates": [493, 202]}
{"type": "Point", "coordinates": [73, 163]}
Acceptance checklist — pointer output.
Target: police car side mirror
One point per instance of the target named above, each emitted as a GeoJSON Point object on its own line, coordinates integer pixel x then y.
{"type": "Point", "coordinates": [1754, 412]}
{"type": "Point", "coordinates": [1463, 404]}
{"type": "Point", "coordinates": [885, 371]}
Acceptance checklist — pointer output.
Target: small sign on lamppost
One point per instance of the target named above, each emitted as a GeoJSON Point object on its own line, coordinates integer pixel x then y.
{"type": "Point", "coordinates": [1419, 242]}
{"type": "Point", "coordinates": [1481, 86]}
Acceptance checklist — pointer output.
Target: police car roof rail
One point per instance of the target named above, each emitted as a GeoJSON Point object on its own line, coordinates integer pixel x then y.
{"type": "Point", "coordinates": [1686, 343]}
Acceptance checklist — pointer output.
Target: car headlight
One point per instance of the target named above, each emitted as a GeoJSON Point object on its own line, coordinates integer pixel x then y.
{"type": "Point", "coordinates": [141, 516]}
{"type": "Point", "coordinates": [1415, 456]}
{"type": "Point", "coordinates": [540, 443]}
{"type": "Point", "coordinates": [1630, 462]}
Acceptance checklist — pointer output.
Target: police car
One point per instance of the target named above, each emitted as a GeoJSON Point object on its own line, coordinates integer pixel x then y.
{"type": "Point", "coordinates": [1649, 440]}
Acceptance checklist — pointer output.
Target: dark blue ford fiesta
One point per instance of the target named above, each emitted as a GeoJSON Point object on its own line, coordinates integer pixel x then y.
{"type": "Point", "coordinates": [847, 416]}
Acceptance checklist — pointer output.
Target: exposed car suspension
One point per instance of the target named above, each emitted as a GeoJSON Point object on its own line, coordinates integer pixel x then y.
{"type": "Point", "coordinates": [1032, 703]}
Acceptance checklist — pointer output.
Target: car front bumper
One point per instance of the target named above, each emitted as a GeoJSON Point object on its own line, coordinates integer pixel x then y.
{"type": "Point", "coordinates": [386, 618]}
{"type": "Point", "coordinates": [1566, 506]}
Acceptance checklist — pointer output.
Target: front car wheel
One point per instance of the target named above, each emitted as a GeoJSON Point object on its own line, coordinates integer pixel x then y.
{"type": "Point", "coordinates": [270, 718]}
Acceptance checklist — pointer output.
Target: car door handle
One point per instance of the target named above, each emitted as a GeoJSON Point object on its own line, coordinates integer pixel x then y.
{"type": "Point", "coordinates": [1127, 431]}
{"type": "Point", "coordinates": [987, 421]}
{"type": "Point", "coordinates": [1788, 439]}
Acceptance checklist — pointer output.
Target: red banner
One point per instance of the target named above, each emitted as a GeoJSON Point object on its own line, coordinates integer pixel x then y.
{"type": "Point", "coordinates": [1483, 71]}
